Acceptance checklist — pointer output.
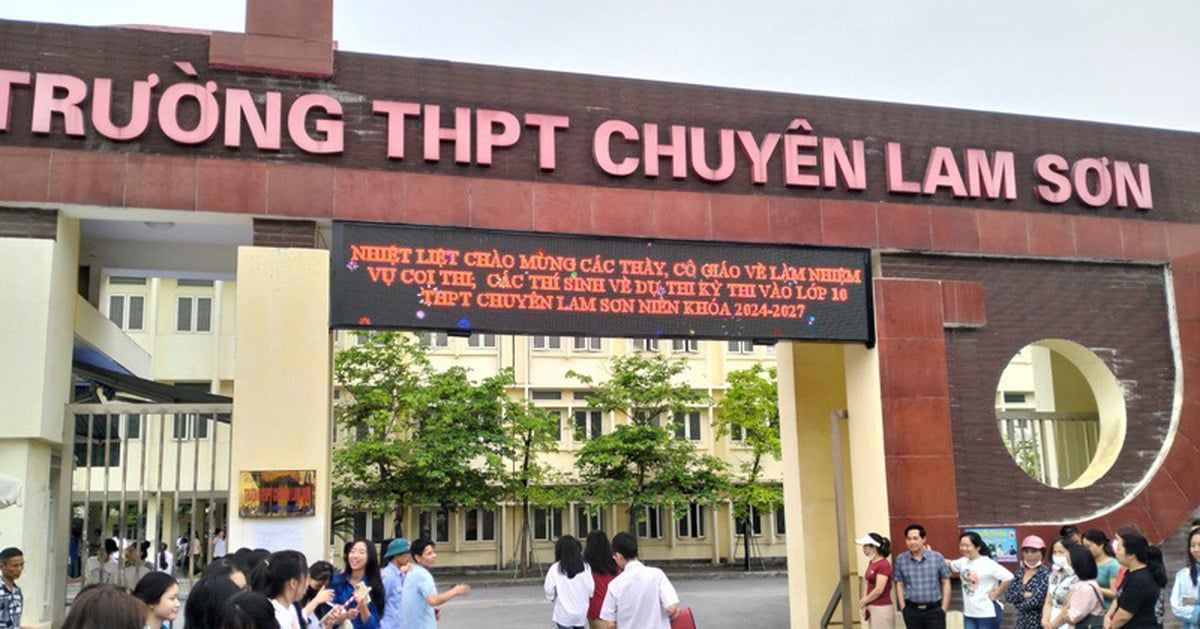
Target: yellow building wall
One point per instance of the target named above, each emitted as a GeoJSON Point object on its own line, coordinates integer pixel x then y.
{"type": "Point", "coordinates": [282, 407]}
{"type": "Point", "coordinates": [36, 332]}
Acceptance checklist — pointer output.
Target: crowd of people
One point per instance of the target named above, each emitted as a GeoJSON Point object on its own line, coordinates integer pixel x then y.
{"type": "Point", "coordinates": [1081, 581]}
{"type": "Point", "coordinates": [602, 586]}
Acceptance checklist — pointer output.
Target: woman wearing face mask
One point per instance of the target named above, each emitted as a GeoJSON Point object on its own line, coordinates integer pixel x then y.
{"type": "Point", "coordinates": [283, 578]}
{"type": "Point", "coordinates": [1028, 591]}
{"type": "Point", "coordinates": [983, 583]}
{"type": "Point", "coordinates": [1062, 577]}
{"type": "Point", "coordinates": [876, 604]}
{"type": "Point", "coordinates": [1085, 604]}
{"type": "Point", "coordinates": [1107, 565]}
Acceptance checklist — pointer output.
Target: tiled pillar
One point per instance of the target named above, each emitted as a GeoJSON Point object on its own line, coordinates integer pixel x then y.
{"type": "Point", "coordinates": [915, 396]}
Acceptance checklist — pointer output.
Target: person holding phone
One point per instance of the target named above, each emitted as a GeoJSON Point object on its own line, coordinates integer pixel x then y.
{"type": "Point", "coordinates": [360, 586]}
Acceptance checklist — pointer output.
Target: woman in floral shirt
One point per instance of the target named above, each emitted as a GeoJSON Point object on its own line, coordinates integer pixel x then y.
{"type": "Point", "coordinates": [1028, 591]}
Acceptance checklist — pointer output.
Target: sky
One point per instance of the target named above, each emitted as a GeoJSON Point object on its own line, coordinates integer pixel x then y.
{"type": "Point", "coordinates": [1101, 60]}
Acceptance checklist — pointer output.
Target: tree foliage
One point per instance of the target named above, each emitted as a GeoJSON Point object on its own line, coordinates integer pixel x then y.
{"type": "Point", "coordinates": [417, 436]}
{"type": "Point", "coordinates": [641, 462]}
{"type": "Point", "coordinates": [750, 408]}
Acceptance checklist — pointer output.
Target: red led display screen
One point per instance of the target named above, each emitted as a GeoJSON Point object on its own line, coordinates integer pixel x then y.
{"type": "Point", "coordinates": [468, 280]}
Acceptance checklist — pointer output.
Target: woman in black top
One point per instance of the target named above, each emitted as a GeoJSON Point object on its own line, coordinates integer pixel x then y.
{"type": "Point", "coordinates": [1140, 597]}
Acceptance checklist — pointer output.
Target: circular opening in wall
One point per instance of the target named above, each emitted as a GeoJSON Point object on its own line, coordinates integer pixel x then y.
{"type": "Point", "coordinates": [1061, 413]}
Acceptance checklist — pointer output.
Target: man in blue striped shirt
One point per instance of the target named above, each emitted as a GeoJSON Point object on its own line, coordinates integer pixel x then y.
{"type": "Point", "coordinates": [922, 582]}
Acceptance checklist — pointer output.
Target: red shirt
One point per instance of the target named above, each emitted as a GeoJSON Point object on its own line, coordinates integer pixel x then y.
{"type": "Point", "coordinates": [597, 600]}
{"type": "Point", "coordinates": [881, 567]}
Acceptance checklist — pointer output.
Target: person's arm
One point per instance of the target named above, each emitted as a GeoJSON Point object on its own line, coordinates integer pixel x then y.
{"type": "Point", "coordinates": [900, 594]}
{"type": "Point", "coordinates": [608, 610]}
{"type": "Point", "coordinates": [1006, 578]}
{"type": "Point", "coordinates": [321, 597]}
{"type": "Point", "coordinates": [668, 597]}
{"type": "Point", "coordinates": [1120, 618]}
{"type": "Point", "coordinates": [945, 594]}
{"type": "Point", "coordinates": [548, 586]}
{"type": "Point", "coordinates": [881, 585]}
{"type": "Point", "coordinates": [437, 600]}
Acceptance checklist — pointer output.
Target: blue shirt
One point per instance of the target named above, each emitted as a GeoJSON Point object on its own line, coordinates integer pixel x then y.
{"type": "Point", "coordinates": [415, 610]}
{"type": "Point", "coordinates": [922, 579]}
{"type": "Point", "coordinates": [393, 585]}
{"type": "Point", "coordinates": [343, 591]}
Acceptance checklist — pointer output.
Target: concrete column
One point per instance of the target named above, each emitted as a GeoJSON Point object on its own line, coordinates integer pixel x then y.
{"type": "Point", "coordinates": [282, 404]}
{"type": "Point", "coordinates": [37, 325]}
{"type": "Point", "coordinates": [811, 386]}
{"type": "Point", "coordinates": [868, 467]}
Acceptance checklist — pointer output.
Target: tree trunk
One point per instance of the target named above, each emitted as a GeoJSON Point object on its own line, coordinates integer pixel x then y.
{"type": "Point", "coordinates": [746, 542]}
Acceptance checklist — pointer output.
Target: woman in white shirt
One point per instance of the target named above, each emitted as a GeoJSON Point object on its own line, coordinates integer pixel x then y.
{"type": "Point", "coordinates": [983, 583]}
{"type": "Point", "coordinates": [569, 584]}
{"type": "Point", "coordinates": [1186, 591]}
{"type": "Point", "coordinates": [283, 578]}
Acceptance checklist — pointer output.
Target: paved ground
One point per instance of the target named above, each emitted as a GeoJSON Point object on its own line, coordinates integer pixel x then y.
{"type": "Point", "coordinates": [729, 601]}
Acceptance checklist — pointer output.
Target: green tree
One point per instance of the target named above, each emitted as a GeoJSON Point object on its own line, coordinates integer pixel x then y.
{"type": "Point", "coordinates": [642, 463]}
{"type": "Point", "coordinates": [534, 432]}
{"type": "Point", "coordinates": [750, 410]}
{"type": "Point", "coordinates": [417, 436]}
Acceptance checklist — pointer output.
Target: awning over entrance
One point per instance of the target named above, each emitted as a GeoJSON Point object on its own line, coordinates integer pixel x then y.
{"type": "Point", "coordinates": [131, 388]}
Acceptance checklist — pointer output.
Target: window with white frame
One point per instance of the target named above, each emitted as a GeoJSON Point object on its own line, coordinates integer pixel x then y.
{"type": "Point", "coordinates": [687, 426]}
{"type": "Point", "coordinates": [479, 525]}
{"type": "Point", "coordinates": [127, 311]}
{"type": "Point", "coordinates": [780, 521]}
{"type": "Point", "coordinates": [433, 340]}
{"type": "Point", "coordinates": [737, 433]}
{"type": "Point", "coordinates": [189, 426]}
{"type": "Point", "coordinates": [650, 524]}
{"type": "Point", "coordinates": [481, 341]}
{"type": "Point", "coordinates": [193, 314]}
{"type": "Point", "coordinates": [645, 345]}
{"type": "Point", "coordinates": [369, 525]}
{"type": "Point", "coordinates": [755, 524]}
{"type": "Point", "coordinates": [547, 523]}
{"type": "Point", "coordinates": [588, 520]}
{"type": "Point", "coordinates": [543, 343]}
{"type": "Point", "coordinates": [558, 415]}
{"type": "Point", "coordinates": [741, 347]}
{"type": "Point", "coordinates": [587, 344]}
{"type": "Point", "coordinates": [691, 524]}
{"type": "Point", "coordinates": [685, 346]}
{"type": "Point", "coordinates": [589, 424]}
{"type": "Point", "coordinates": [435, 524]}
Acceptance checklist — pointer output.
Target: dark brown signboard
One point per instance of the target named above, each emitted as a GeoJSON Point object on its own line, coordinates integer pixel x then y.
{"type": "Point", "coordinates": [464, 280]}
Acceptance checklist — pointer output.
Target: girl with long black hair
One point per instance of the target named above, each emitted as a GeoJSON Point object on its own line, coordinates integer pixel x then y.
{"type": "Point", "coordinates": [598, 554]}
{"type": "Point", "coordinates": [360, 585]}
{"type": "Point", "coordinates": [569, 584]}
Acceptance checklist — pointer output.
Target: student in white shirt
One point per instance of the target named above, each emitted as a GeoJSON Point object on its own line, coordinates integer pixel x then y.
{"type": "Point", "coordinates": [569, 584]}
{"type": "Point", "coordinates": [640, 596]}
{"type": "Point", "coordinates": [283, 578]}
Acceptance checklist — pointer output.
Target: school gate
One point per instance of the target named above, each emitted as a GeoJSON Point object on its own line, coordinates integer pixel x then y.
{"type": "Point", "coordinates": [991, 240]}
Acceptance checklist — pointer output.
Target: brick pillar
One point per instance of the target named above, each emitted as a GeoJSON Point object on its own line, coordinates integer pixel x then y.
{"type": "Point", "coordinates": [918, 448]}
